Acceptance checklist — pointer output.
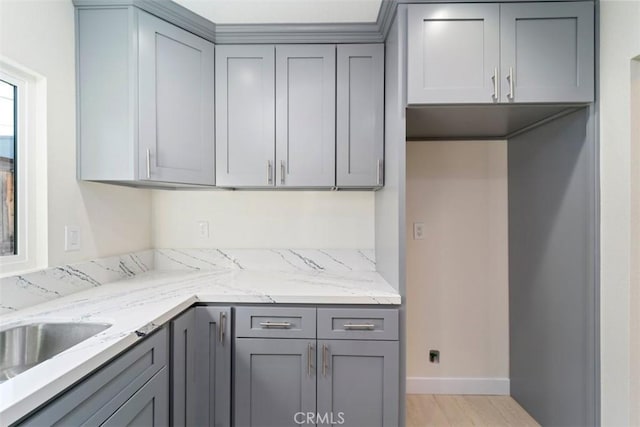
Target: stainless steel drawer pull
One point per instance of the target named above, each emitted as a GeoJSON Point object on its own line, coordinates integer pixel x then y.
{"type": "Point", "coordinates": [325, 359]}
{"type": "Point", "coordinates": [495, 83]}
{"type": "Point", "coordinates": [281, 325]}
{"type": "Point", "coordinates": [148, 164]}
{"type": "Point", "coordinates": [309, 356]}
{"type": "Point", "coordinates": [359, 327]}
{"type": "Point", "coordinates": [511, 84]}
{"type": "Point", "coordinates": [222, 325]}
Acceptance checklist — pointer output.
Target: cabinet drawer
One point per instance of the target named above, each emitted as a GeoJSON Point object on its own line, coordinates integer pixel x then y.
{"type": "Point", "coordinates": [95, 399]}
{"type": "Point", "coordinates": [275, 322]}
{"type": "Point", "coordinates": [358, 323]}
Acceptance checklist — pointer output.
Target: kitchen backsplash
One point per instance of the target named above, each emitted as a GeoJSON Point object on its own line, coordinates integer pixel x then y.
{"type": "Point", "coordinates": [17, 292]}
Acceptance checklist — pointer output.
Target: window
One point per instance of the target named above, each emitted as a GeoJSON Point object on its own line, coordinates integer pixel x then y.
{"type": "Point", "coordinates": [23, 169]}
{"type": "Point", "coordinates": [8, 243]}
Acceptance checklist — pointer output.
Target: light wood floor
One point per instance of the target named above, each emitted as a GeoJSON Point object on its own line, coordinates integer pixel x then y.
{"type": "Point", "coordinates": [427, 410]}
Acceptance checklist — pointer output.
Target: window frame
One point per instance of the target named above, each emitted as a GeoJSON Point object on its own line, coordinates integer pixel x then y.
{"type": "Point", "coordinates": [30, 170]}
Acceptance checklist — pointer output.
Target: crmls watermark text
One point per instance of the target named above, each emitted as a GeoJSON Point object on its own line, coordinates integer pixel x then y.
{"type": "Point", "coordinates": [318, 418]}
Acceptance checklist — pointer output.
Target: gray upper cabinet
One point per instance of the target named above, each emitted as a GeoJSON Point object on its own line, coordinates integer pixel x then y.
{"type": "Point", "coordinates": [245, 116]}
{"type": "Point", "coordinates": [305, 115]}
{"type": "Point", "coordinates": [509, 53]}
{"type": "Point", "coordinates": [453, 53]}
{"type": "Point", "coordinates": [176, 74]}
{"type": "Point", "coordinates": [144, 100]}
{"type": "Point", "coordinates": [274, 380]}
{"type": "Point", "coordinates": [358, 382]}
{"type": "Point", "coordinates": [547, 52]}
{"type": "Point", "coordinates": [360, 115]}
{"type": "Point", "coordinates": [213, 361]}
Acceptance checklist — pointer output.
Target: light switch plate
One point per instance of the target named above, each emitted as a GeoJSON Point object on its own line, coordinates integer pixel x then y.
{"type": "Point", "coordinates": [72, 238]}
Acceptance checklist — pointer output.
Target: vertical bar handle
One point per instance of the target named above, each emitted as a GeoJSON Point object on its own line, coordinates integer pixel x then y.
{"type": "Point", "coordinates": [222, 325]}
{"type": "Point", "coordinates": [309, 356]}
{"type": "Point", "coordinates": [379, 172]}
{"type": "Point", "coordinates": [510, 78]}
{"type": "Point", "coordinates": [495, 83]}
{"type": "Point", "coordinates": [325, 359]}
{"type": "Point", "coordinates": [282, 171]}
{"type": "Point", "coordinates": [269, 172]}
{"type": "Point", "coordinates": [148, 163]}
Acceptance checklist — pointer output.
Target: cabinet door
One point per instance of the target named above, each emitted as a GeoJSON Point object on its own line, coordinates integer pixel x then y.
{"type": "Point", "coordinates": [305, 115]}
{"type": "Point", "coordinates": [358, 383]}
{"type": "Point", "coordinates": [175, 83]}
{"type": "Point", "coordinates": [148, 407]}
{"type": "Point", "coordinates": [245, 116]}
{"type": "Point", "coordinates": [213, 359]}
{"type": "Point", "coordinates": [360, 115]}
{"type": "Point", "coordinates": [453, 53]}
{"type": "Point", "coordinates": [547, 51]}
{"type": "Point", "coordinates": [183, 372]}
{"type": "Point", "coordinates": [275, 379]}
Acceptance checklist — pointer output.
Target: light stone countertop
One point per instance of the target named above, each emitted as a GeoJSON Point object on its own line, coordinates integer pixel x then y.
{"type": "Point", "coordinates": [139, 305]}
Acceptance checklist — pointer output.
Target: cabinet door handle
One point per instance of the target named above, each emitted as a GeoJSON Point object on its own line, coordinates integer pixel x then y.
{"type": "Point", "coordinates": [379, 172]}
{"type": "Point", "coordinates": [269, 172]}
{"type": "Point", "coordinates": [281, 325]}
{"type": "Point", "coordinates": [309, 356]}
{"type": "Point", "coordinates": [282, 171]}
{"type": "Point", "coordinates": [148, 163]}
{"type": "Point", "coordinates": [359, 327]}
{"type": "Point", "coordinates": [495, 83]}
{"type": "Point", "coordinates": [222, 326]}
{"type": "Point", "coordinates": [510, 78]}
{"type": "Point", "coordinates": [325, 359]}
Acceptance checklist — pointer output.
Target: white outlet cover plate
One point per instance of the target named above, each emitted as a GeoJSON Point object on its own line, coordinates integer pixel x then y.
{"type": "Point", "coordinates": [72, 238]}
{"type": "Point", "coordinates": [418, 231]}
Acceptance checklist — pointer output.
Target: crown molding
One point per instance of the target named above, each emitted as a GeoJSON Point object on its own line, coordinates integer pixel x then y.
{"type": "Point", "coordinates": [373, 32]}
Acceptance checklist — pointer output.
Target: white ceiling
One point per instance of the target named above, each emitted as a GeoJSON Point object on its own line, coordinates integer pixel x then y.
{"type": "Point", "coordinates": [284, 11]}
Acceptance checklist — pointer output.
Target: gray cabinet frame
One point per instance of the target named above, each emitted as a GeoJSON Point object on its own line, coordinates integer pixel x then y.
{"type": "Point", "coordinates": [183, 370]}
{"type": "Point", "coordinates": [213, 361]}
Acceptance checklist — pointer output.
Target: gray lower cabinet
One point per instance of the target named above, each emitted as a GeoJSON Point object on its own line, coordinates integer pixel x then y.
{"type": "Point", "coordinates": [145, 100]}
{"type": "Point", "coordinates": [358, 383]}
{"type": "Point", "coordinates": [213, 367]}
{"type": "Point", "coordinates": [130, 390]}
{"type": "Point", "coordinates": [483, 53]}
{"type": "Point", "coordinates": [360, 115]}
{"type": "Point", "coordinates": [148, 407]}
{"type": "Point", "coordinates": [183, 369]}
{"type": "Point", "coordinates": [275, 381]}
{"type": "Point", "coordinates": [285, 376]}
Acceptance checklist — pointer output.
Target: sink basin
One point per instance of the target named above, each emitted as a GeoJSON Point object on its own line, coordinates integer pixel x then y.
{"type": "Point", "coordinates": [24, 347]}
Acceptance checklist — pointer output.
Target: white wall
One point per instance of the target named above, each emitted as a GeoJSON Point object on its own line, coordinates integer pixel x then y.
{"type": "Point", "coordinates": [619, 43]}
{"type": "Point", "coordinates": [264, 219]}
{"type": "Point", "coordinates": [39, 35]}
{"type": "Point", "coordinates": [457, 277]}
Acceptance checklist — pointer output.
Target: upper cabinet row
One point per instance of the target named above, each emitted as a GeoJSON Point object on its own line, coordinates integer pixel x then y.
{"type": "Point", "coordinates": [288, 116]}
{"type": "Point", "coordinates": [485, 53]}
{"type": "Point", "coordinates": [302, 116]}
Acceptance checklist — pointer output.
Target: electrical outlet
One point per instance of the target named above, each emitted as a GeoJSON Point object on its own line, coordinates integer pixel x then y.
{"type": "Point", "coordinates": [72, 236]}
{"type": "Point", "coordinates": [434, 356]}
{"type": "Point", "coordinates": [203, 229]}
{"type": "Point", "coordinates": [418, 231]}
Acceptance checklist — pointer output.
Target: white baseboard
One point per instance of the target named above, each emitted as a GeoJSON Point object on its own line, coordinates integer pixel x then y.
{"type": "Point", "coordinates": [434, 385]}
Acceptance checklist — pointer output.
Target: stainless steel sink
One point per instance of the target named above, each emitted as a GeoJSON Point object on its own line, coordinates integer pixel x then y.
{"type": "Point", "coordinates": [23, 347]}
